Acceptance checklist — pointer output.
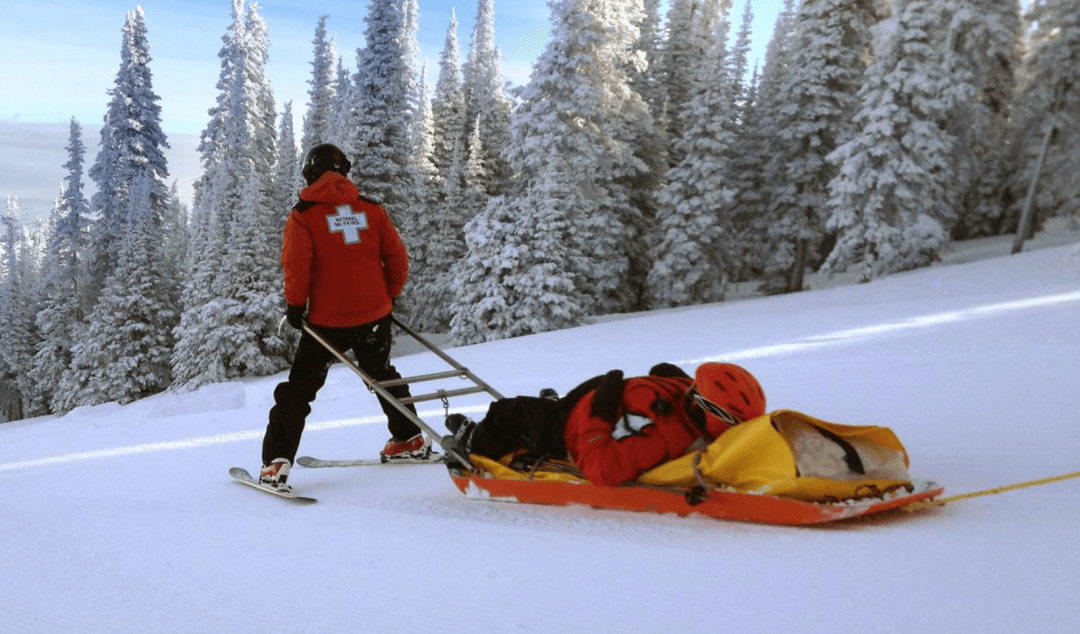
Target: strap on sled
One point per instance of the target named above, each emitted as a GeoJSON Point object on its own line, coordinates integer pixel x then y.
{"type": "Point", "coordinates": [379, 387]}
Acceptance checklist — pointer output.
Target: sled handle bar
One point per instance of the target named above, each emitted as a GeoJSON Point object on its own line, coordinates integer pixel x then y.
{"type": "Point", "coordinates": [374, 385]}
{"type": "Point", "coordinates": [462, 370]}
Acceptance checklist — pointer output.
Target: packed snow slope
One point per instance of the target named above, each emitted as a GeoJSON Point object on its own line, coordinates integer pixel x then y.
{"type": "Point", "coordinates": [123, 519]}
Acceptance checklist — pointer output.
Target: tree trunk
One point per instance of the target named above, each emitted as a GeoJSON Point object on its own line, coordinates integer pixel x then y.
{"type": "Point", "coordinates": [795, 283]}
{"type": "Point", "coordinates": [1025, 217]}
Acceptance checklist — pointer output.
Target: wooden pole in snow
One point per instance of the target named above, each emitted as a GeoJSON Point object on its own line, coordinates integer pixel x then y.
{"type": "Point", "coordinates": [1025, 216]}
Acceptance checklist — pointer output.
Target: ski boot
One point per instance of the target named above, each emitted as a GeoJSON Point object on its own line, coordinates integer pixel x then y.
{"type": "Point", "coordinates": [276, 474]}
{"type": "Point", "coordinates": [416, 448]}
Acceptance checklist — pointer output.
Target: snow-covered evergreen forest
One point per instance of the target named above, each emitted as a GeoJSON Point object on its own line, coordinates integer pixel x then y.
{"type": "Point", "coordinates": [646, 164]}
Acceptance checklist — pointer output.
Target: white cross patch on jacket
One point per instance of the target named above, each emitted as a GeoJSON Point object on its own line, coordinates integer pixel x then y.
{"type": "Point", "coordinates": [348, 222]}
{"type": "Point", "coordinates": [630, 425]}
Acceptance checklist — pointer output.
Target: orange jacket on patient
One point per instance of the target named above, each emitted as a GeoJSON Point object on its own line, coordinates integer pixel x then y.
{"type": "Point", "coordinates": [650, 428]}
{"type": "Point", "coordinates": [626, 427]}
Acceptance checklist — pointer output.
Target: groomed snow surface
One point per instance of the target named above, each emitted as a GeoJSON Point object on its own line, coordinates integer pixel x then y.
{"type": "Point", "coordinates": [123, 518]}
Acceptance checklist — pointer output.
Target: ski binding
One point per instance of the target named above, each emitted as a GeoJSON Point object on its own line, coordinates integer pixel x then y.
{"type": "Point", "coordinates": [241, 475]}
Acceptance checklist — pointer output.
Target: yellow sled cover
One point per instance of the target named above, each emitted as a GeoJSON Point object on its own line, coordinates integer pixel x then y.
{"type": "Point", "coordinates": [783, 453]}
{"type": "Point", "coordinates": [793, 455]}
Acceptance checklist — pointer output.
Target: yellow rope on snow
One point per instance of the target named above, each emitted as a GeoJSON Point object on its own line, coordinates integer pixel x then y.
{"type": "Point", "coordinates": [994, 491]}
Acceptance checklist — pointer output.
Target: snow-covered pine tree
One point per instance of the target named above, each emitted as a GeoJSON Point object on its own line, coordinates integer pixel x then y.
{"type": "Point", "coordinates": [251, 282]}
{"type": "Point", "coordinates": [748, 208]}
{"type": "Point", "coordinates": [322, 93]}
{"type": "Point", "coordinates": [196, 358]}
{"type": "Point", "coordinates": [342, 113]}
{"type": "Point", "coordinates": [465, 189]}
{"type": "Point", "coordinates": [516, 276]}
{"type": "Point", "coordinates": [688, 28]}
{"type": "Point", "coordinates": [648, 82]}
{"type": "Point", "coordinates": [425, 174]}
{"type": "Point", "coordinates": [889, 199]}
{"type": "Point", "coordinates": [653, 144]}
{"type": "Point", "coordinates": [707, 15]}
{"type": "Point", "coordinates": [287, 178]}
{"type": "Point", "coordinates": [486, 102]}
{"type": "Point", "coordinates": [436, 234]}
{"type": "Point", "coordinates": [381, 129]}
{"type": "Point", "coordinates": [416, 225]}
{"type": "Point", "coordinates": [421, 199]}
{"type": "Point", "coordinates": [819, 97]}
{"type": "Point", "coordinates": [745, 167]}
{"type": "Point", "coordinates": [778, 61]}
{"type": "Point", "coordinates": [288, 182]}
{"type": "Point", "coordinates": [131, 162]}
{"type": "Point", "coordinates": [482, 303]}
{"type": "Point", "coordinates": [463, 198]}
{"type": "Point", "coordinates": [676, 63]}
{"type": "Point", "coordinates": [1049, 95]}
{"type": "Point", "coordinates": [131, 142]}
{"type": "Point", "coordinates": [580, 109]}
{"type": "Point", "coordinates": [124, 355]}
{"type": "Point", "coordinates": [228, 329]}
{"type": "Point", "coordinates": [175, 233]}
{"type": "Point", "coordinates": [693, 238]}
{"type": "Point", "coordinates": [644, 134]}
{"type": "Point", "coordinates": [264, 115]}
{"type": "Point", "coordinates": [60, 320]}
{"type": "Point", "coordinates": [759, 136]}
{"type": "Point", "coordinates": [737, 64]}
{"type": "Point", "coordinates": [411, 52]}
{"type": "Point", "coordinates": [982, 48]}
{"type": "Point", "coordinates": [17, 337]}
{"type": "Point", "coordinates": [448, 105]}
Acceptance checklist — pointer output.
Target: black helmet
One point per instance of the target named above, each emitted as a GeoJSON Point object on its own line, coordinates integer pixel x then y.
{"type": "Point", "coordinates": [322, 158]}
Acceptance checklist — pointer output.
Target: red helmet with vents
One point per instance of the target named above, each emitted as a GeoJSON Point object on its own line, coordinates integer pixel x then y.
{"type": "Point", "coordinates": [731, 391]}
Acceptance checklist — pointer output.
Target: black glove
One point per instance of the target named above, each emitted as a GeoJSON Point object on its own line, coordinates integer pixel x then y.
{"type": "Point", "coordinates": [295, 316]}
{"type": "Point", "coordinates": [669, 370]}
{"type": "Point", "coordinates": [608, 397]}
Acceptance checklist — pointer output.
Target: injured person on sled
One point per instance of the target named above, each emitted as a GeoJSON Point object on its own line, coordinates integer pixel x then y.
{"type": "Point", "coordinates": [613, 428]}
{"type": "Point", "coordinates": [667, 429]}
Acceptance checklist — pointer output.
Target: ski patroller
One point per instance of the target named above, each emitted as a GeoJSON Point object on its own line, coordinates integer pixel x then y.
{"type": "Point", "coordinates": [379, 387]}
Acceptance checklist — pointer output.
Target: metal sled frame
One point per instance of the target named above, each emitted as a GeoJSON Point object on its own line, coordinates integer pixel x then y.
{"type": "Point", "coordinates": [379, 387]}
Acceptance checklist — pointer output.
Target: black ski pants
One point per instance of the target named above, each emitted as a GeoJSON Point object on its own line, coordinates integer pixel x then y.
{"type": "Point", "coordinates": [292, 399]}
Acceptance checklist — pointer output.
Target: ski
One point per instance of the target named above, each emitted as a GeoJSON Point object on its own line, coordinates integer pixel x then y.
{"type": "Point", "coordinates": [318, 463]}
{"type": "Point", "coordinates": [241, 475]}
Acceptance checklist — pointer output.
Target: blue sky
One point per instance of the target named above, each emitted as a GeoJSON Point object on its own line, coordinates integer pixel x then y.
{"type": "Point", "coordinates": [53, 68]}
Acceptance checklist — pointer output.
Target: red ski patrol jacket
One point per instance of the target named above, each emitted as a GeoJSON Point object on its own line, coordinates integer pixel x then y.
{"type": "Point", "coordinates": [342, 256]}
{"type": "Point", "coordinates": [644, 428]}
